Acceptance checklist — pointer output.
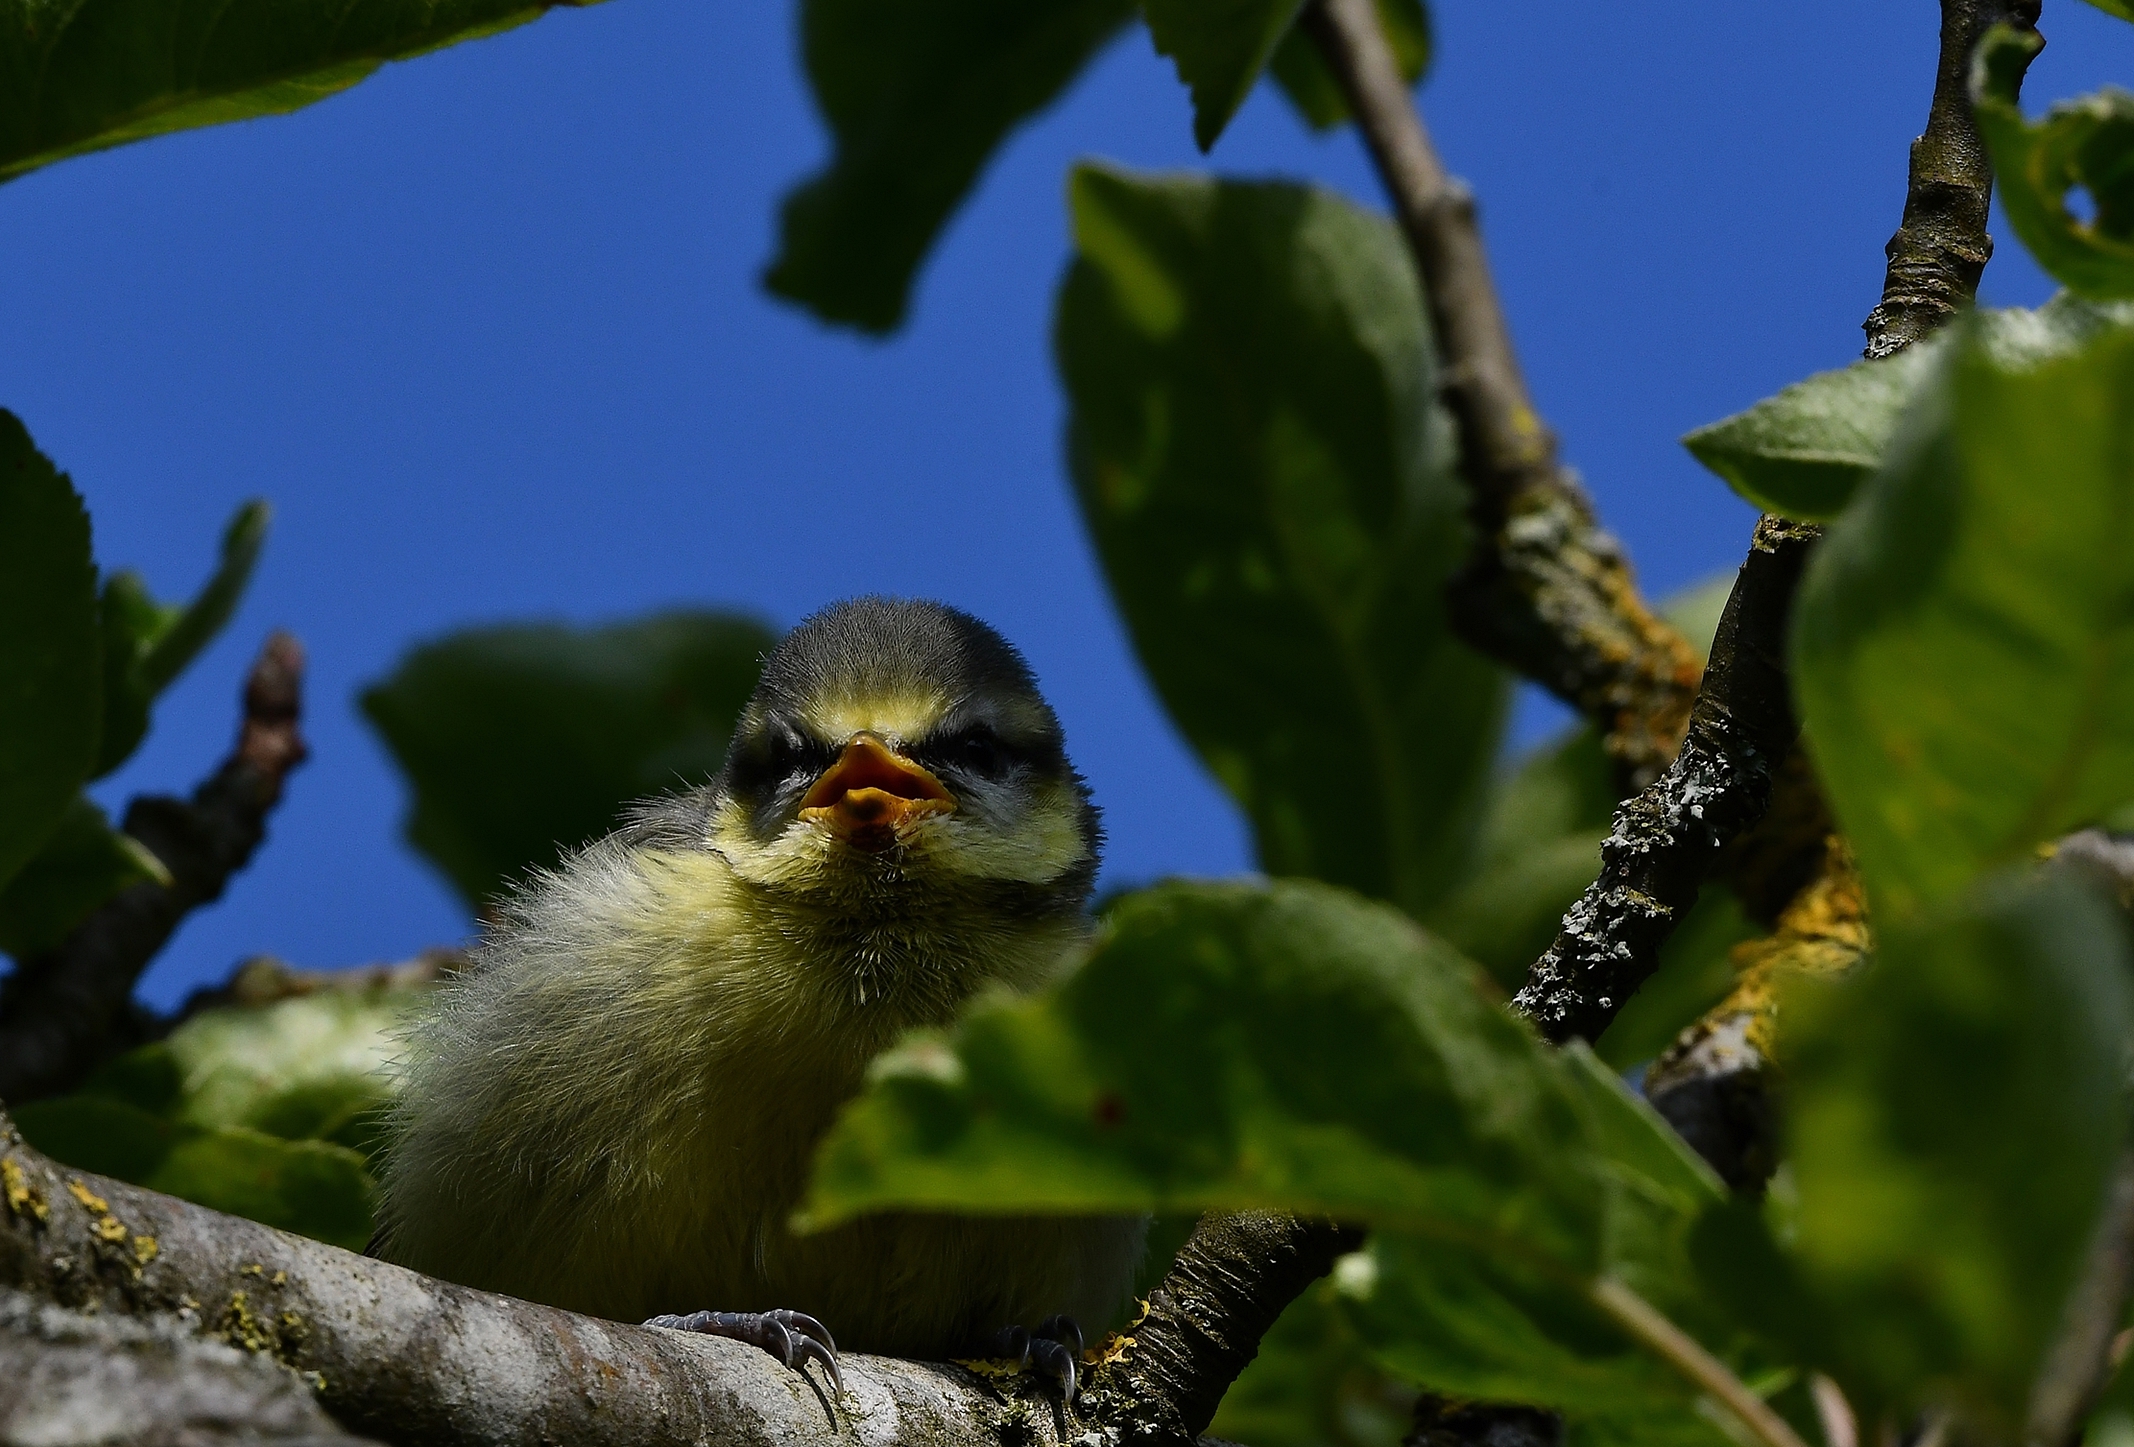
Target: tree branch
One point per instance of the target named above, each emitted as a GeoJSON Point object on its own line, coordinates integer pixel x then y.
{"type": "Point", "coordinates": [1667, 838]}
{"type": "Point", "coordinates": [2079, 1362]}
{"type": "Point", "coordinates": [1232, 1279]}
{"type": "Point", "coordinates": [404, 1358]}
{"type": "Point", "coordinates": [1546, 591]}
{"type": "Point", "coordinates": [65, 1010]}
{"type": "Point", "coordinates": [1941, 244]}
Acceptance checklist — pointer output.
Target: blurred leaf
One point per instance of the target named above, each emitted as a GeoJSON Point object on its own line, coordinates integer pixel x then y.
{"type": "Point", "coordinates": [148, 644]}
{"type": "Point", "coordinates": [1204, 1058]}
{"type": "Point", "coordinates": [1694, 975]}
{"type": "Point", "coordinates": [1311, 87]}
{"type": "Point", "coordinates": [95, 73]}
{"type": "Point", "coordinates": [1953, 1114]}
{"type": "Point", "coordinates": [310, 1187]}
{"type": "Point", "coordinates": [1805, 451]}
{"type": "Point", "coordinates": [1313, 1383]}
{"type": "Point", "coordinates": [1963, 647]}
{"type": "Point", "coordinates": [83, 863]}
{"type": "Point", "coordinates": [2086, 144]}
{"type": "Point", "coordinates": [1220, 48]}
{"type": "Point", "coordinates": [1264, 473]}
{"type": "Point", "coordinates": [2121, 8]}
{"type": "Point", "coordinates": [917, 96]}
{"type": "Point", "coordinates": [49, 694]}
{"type": "Point", "coordinates": [310, 1068]}
{"type": "Point", "coordinates": [524, 741]}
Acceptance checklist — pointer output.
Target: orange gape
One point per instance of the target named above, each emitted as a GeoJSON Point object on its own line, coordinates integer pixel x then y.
{"type": "Point", "coordinates": [868, 794]}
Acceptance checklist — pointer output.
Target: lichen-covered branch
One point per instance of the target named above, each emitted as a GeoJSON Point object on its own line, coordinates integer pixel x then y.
{"type": "Point", "coordinates": [1547, 591]}
{"type": "Point", "coordinates": [1714, 1083]}
{"type": "Point", "coordinates": [1667, 838]}
{"type": "Point", "coordinates": [1232, 1279]}
{"type": "Point", "coordinates": [404, 1358]}
{"type": "Point", "coordinates": [1941, 245]}
{"type": "Point", "coordinates": [68, 1008]}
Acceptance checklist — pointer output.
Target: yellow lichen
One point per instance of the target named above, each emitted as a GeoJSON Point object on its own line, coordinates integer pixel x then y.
{"type": "Point", "coordinates": [280, 1278]}
{"type": "Point", "coordinates": [97, 1205]}
{"type": "Point", "coordinates": [145, 1249]}
{"type": "Point", "coordinates": [1000, 1370]}
{"type": "Point", "coordinates": [23, 1198]}
{"type": "Point", "coordinates": [110, 1228]}
{"type": "Point", "coordinates": [239, 1327]}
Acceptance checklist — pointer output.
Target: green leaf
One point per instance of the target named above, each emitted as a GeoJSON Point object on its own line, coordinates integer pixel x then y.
{"type": "Point", "coordinates": [148, 644]}
{"type": "Point", "coordinates": [1311, 87]}
{"type": "Point", "coordinates": [1805, 451]}
{"type": "Point", "coordinates": [1266, 479]}
{"type": "Point", "coordinates": [524, 741]}
{"type": "Point", "coordinates": [2121, 8]}
{"type": "Point", "coordinates": [309, 1187]}
{"type": "Point", "coordinates": [1204, 1057]}
{"type": "Point", "coordinates": [918, 96]}
{"type": "Point", "coordinates": [95, 73]}
{"type": "Point", "coordinates": [1953, 1116]}
{"type": "Point", "coordinates": [1963, 646]}
{"type": "Point", "coordinates": [1313, 1383]}
{"type": "Point", "coordinates": [49, 664]}
{"type": "Point", "coordinates": [2086, 144]}
{"type": "Point", "coordinates": [1219, 47]}
{"type": "Point", "coordinates": [83, 863]}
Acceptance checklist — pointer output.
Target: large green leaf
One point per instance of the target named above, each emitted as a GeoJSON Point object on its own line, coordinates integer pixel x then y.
{"type": "Point", "coordinates": [1266, 478]}
{"type": "Point", "coordinates": [1805, 451]}
{"type": "Point", "coordinates": [1220, 47]}
{"type": "Point", "coordinates": [84, 862]}
{"type": "Point", "coordinates": [2085, 144]}
{"type": "Point", "coordinates": [525, 741]}
{"type": "Point", "coordinates": [81, 75]}
{"type": "Point", "coordinates": [1301, 72]}
{"type": "Point", "coordinates": [1206, 1056]}
{"type": "Point", "coordinates": [1953, 1115]}
{"type": "Point", "coordinates": [918, 96]}
{"type": "Point", "coordinates": [314, 1188]}
{"type": "Point", "coordinates": [148, 644]}
{"type": "Point", "coordinates": [1963, 647]}
{"type": "Point", "coordinates": [1313, 1383]}
{"type": "Point", "coordinates": [50, 693]}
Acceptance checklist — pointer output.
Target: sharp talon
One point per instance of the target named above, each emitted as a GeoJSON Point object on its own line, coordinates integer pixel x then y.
{"type": "Point", "coordinates": [1010, 1344]}
{"type": "Point", "coordinates": [1054, 1360]}
{"type": "Point", "coordinates": [807, 1326]}
{"type": "Point", "coordinates": [793, 1337]}
{"type": "Point", "coordinates": [1063, 1329]}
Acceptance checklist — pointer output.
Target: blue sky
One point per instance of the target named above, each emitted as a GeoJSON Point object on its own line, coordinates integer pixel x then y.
{"type": "Point", "coordinates": [487, 330]}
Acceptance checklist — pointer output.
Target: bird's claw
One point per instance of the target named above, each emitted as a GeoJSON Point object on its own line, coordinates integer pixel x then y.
{"type": "Point", "coordinates": [1054, 1349]}
{"type": "Point", "coordinates": [794, 1337]}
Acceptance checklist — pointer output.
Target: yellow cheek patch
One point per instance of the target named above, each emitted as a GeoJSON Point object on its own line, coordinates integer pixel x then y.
{"type": "Point", "coordinates": [904, 714]}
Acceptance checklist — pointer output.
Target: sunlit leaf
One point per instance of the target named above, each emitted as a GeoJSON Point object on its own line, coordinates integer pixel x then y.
{"type": "Point", "coordinates": [1266, 477]}
{"type": "Point", "coordinates": [1963, 646]}
{"type": "Point", "coordinates": [2085, 144]}
{"type": "Point", "coordinates": [1805, 451]}
{"type": "Point", "coordinates": [95, 73]}
{"type": "Point", "coordinates": [524, 741]}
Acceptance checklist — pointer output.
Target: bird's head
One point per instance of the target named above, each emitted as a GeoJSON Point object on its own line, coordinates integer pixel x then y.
{"type": "Point", "coordinates": [901, 749]}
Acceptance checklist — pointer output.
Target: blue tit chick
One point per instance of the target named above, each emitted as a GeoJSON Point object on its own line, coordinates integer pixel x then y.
{"type": "Point", "coordinates": [615, 1109]}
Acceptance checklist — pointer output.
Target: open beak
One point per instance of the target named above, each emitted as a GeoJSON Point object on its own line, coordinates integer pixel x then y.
{"type": "Point", "coordinates": [870, 792]}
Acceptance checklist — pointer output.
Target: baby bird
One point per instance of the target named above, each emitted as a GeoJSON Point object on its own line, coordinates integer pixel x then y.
{"type": "Point", "coordinates": [616, 1108]}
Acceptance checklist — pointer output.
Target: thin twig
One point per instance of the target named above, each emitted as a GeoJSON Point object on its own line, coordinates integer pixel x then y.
{"type": "Point", "coordinates": [65, 1010]}
{"type": "Point", "coordinates": [1681, 1351]}
{"type": "Point", "coordinates": [1547, 591]}
{"type": "Point", "coordinates": [1941, 245]}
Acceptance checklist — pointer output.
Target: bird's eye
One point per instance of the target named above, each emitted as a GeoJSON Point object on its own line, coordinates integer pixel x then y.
{"type": "Point", "coordinates": [773, 758]}
{"type": "Point", "coordinates": [975, 750]}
